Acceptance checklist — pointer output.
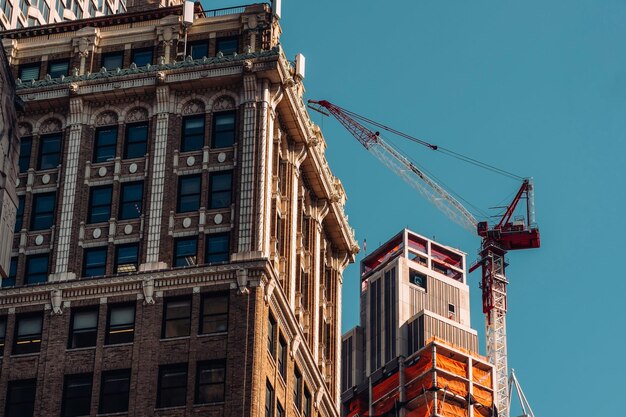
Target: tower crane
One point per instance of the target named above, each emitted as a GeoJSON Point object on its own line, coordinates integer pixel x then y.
{"type": "Point", "coordinates": [507, 234]}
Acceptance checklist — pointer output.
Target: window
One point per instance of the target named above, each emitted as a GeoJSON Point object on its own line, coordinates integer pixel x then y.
{"type": "Point", "coordinates": [223, 129]}
{"type": "Point", "coordinates": [214, 313]}
{"type": "Point", "coordinates": [105, 144]}
{"type": "Point", "coordinates": [29, 72]}
{"type": "Point", "coordinates": [282, 357]}
{"type": "Point", "coordinates": [120, 324]}
{"type": "Point", "coordinates": [217, 248]}
{"type": "Point", "coordinates": [188, 193]}
{"type": "Point", "coordinates": [451, 311]}
{"type": "Point", "coordinates": [36, 269]}
{"type": "Point", "coordinates": [20, 400]}
{"type": "Point", "coordinates": [83, 328]}
{"type": "Point", "coordinates": [269, 400]}
{"type": "Point", "coordinates": [76, 395]}
{"type": "Point", "coordinates": [271, 334]}
{"type": "Point", "coordinates": [61, 67]}
{"type": "Point", "coordinates": [227, 46]}
{"type": "Point", "coordinates": [43, 211]}
{"type": "Point", "coordinates": [210, 378]}
{"type": "Point", "coordinates": [185, 250]}
{"type": "Point", "coordinates": [27, 334]}
{"type": "Point", "coordinates": [199, 50]}
{"type": "Point", "coordinates": [193, 133]}
{"type": "Point", "coordinates": [100, 204]}
{"type": "Point", "coordinates": [172, 390]}
{"type": "Point", "coordinates": [306, 412]}
{"type": "Point", "coordinates": [417, 278]}
{"type": "Point", "coordinates": [3, 333]}
{"type": "Point", "coordinates": [19, 216]}
{"type": "Point", "coordinates": [10, 280]}
{"type": "Point", "coordinates": [176, 317]}
{"type": "Point", "coordinates": [297, 388]}
{"type": "Point", "coordinates": [280, 411]}
{"type": "Point", "coordinates": [49, 151]}
{"type": "Point", "coordinates": [142, 57]}
{"type": "Point", "coordinates": [114, 391]}
{"type": "Point", "coordinates": [220, 189]}
{"type": "Point", "coordinates": [7, 8]}
{"type": "Point", "coordinates": [131, 197]}
{"type": "Point", "coordinates": [126, 258]}
{"type": "Point", "coordinates": [94, 261]}
{"type": "Point", "coordinates": [113, 60]}
{"type": "Point", "coordinates": [26, 145]}
{"type": "Point", "coordinates": [136, 140]}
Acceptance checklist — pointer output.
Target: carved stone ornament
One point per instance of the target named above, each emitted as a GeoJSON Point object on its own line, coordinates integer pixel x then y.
{"type": "Point", "coordinates": [56, 298]}
{"type": "Point", "coordinates": [50, 125]}
{"type": "Point", "coordinates": [106, 118]}
{"type": "Point", "coordinates": [148, 291]}
{"type": "Point", "coordinates": [224, 103]}
{"type": "Point", "coordinates": [25, 129]}
{"type": "Point", "coordinates": [295, 345]}
{"type": "Point", "coordinates": [193, 107]}
{"type": "Point", "coordinates": [137, 114]}
{"type": "Point", "coordinates": [247, 64]}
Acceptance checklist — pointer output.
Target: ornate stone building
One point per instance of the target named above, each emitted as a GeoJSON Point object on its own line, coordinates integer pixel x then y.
{"type": "Point", "coordinates": [180, 238]}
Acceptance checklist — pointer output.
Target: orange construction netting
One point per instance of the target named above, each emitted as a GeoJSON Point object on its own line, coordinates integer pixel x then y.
{"type": "Point", "coordinates": [483, 396]}
{"type": "Point", "coordinates": [482, 377]}
{"type": "Point", "coordinates": [448, 409]}
{"type": "Point", "coordinates": [453, 385]}
{"type": "Point", "coordinates": [451, 365]}
{"type": "Point", "coordinates": [424, 363]}
{"type": "Point", "coordinates": [417, 386]}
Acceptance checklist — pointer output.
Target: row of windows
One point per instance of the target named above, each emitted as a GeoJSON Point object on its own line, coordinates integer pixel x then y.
{"type": "Point", "coordinates": [270, 398]}
{"type": "Point", "coordinates": [217, 250]}
{"type": "Point", "coordinates": [113, 60]}
{"type": "Point", "coordinates": [115, 389]}
{"type": "Point", "coordinates": [120, 324]}
{"type": "Point", "coordinates": [136, 141]}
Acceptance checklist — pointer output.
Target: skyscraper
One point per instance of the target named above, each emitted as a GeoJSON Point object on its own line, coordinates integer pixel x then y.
{"type": "Point", "coordinates": [180, 238]}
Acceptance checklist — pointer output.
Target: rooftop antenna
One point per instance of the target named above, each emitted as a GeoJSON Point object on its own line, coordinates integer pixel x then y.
{"type": "Point", "coordinates": [188, 15]}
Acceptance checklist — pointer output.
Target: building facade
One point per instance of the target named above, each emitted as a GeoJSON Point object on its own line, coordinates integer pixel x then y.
{"type": "Point", "coordinates": [9, 149]}
{"type": "Point", "coordinates": [415, 353]}
{"type": "Point", "coordinates": [180, 238]}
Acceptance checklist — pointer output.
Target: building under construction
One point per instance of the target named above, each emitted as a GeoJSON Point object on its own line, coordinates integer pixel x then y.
{"type": "Point", "coordinates": [414, 352]}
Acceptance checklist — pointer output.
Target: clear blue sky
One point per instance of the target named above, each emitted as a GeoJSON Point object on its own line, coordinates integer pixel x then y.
{"type": "Point", "coordinates": [536, 87]}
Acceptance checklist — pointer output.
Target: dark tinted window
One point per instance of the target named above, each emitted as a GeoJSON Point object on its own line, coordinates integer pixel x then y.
{"type": "Point", "coordinates": [214, 313]}
{"type": "Point", "coordinates": [136, 140]}
{"type": "Point", "coordinates": [19, 216]}
{"type": "Point", "coordinates": [185, 250]}
{"type": "Point", "coordinates": [120, 324]}
{"type": "Point", "coordinates": [220, 189]}
{"type": "Point", "coordinates": [131, 197]}
{"type": "Point", "coordinates": [113, 60]}
{"type": "Point", "coordinates": [21, 398]}
{"type": "Point", "coordinates": [100, 204]}
{"type": "Point", "coordinates": [10, 280]}
{"type": "Point", "coordinates": [26, 145]}
{"type": "Point", "coordinates": [3, 333]}
{"type": "Point", "coordinates": [83, 328]}
{"type": "Point", "coordinates": [58, 68]}
{"type": "Point", "coordinates": [223, 129]}
{"type": "Point", "coordinates": [142, 57]}
{"type": "Point", "coordinates": [29, 72]}
{"type": "Point", "coordinates": [76, 395]}
{"type": "Point", "coordinates": [269, 400]}
{"type": "Point", "coordinates": [176, 317]}
{"type": "Point", "coordinates": [49, 151]}
{"type": "Point", "coordinates": [105, 144]}
{"type": "Point", "coordinates": [282, 357]}
{"type": "Point", "coordinates": [27, 334]}
{"type": "Point", "coordinates": [210, 377]}
{"type": "Point", "coordinates": [126, 258]}
{"type": "Point", "coordinates": [306, 412]}
{"type": "Point", "coordinates": [271, 334]}
{"type": "Point", "coordinates": [172, 390]}
{"type": "Point", "coordinates": [188, 193]}
{"type": "Point", "coordinates": [114, 391]}
{"type": "Point", "coordinates": [43, 211]}
{"type": "Point", "coordinates": [227, 46]}
{"type": "Point", "coordinates": [36, 269]}
{"type": "Point", "coordinates": [198, 50]}
{"type": "Point", "coordinates": [192, 134]}
{"type": "Point", "coordinates": [217, 248]}
{"type": "Point", "coordinates": [94, 261]}
{"type": "Point", "coordinates": [297, 388]}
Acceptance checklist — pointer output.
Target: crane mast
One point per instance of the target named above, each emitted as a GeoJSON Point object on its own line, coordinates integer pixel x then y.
{"type": "Point", "coordinates": [496, 241]}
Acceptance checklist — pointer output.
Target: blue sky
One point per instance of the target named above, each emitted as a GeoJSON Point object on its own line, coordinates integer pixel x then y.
{"type": "Point", "coordinates": [535, 87]}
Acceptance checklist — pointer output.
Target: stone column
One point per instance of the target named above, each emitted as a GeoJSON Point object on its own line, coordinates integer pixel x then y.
{"type": "Point", "coordinates": [320, 212]}
{"type": "Point", "coordinates": [295, 157]}
{"type": "Point", "coordinates": [157, 191]}
{"type": "Point", "coordinates": [68, 197]}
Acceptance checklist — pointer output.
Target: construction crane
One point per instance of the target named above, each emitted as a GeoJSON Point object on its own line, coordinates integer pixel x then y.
{"type": "Point", "coordinates": [510, 233]}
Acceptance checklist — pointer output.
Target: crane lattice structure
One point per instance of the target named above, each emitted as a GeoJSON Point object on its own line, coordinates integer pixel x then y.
{"type": "Point", "coordinates": [507, 235]}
